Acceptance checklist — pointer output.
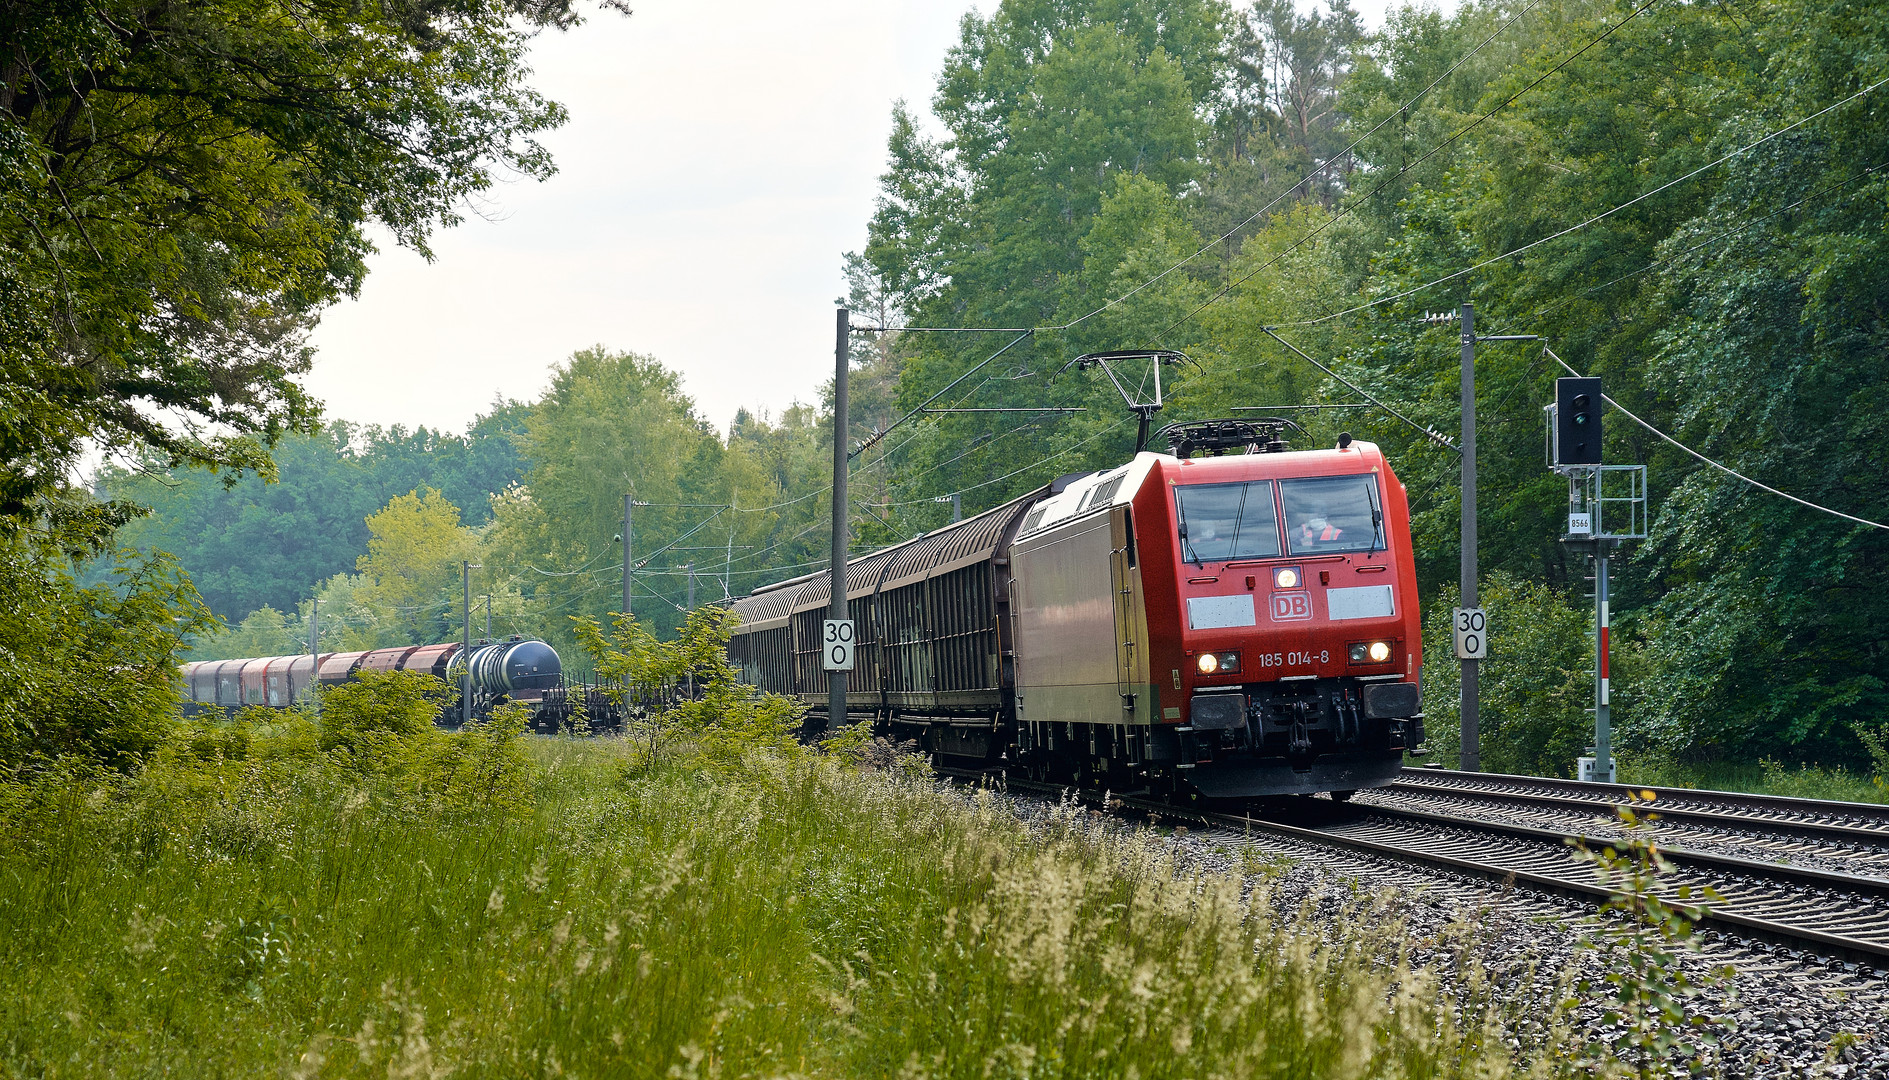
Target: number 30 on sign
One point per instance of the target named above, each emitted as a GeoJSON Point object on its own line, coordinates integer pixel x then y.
{"type": "Point", "coordinates": [1472, 633]}
{"type": "Point", "coordinates": [837, 645]}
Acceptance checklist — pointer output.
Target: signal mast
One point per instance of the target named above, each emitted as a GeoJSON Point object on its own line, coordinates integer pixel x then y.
{"type": "Point", "coordinates": [1606, 505]}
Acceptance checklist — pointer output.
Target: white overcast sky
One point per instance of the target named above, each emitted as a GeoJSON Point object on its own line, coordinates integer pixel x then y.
{"type": "Point", "coordinates": [719, 158]}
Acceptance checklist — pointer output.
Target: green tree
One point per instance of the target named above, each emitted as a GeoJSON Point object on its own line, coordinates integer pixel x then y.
{"type": "Point", "coordinates": [264, 632]}
{"type": "Point", "coordinates": [414, 547]}
{"type": "Point", "coordinates": [255, 542]}
{"type": "Point", "coordinates": [1046, 109]}
{"type": "Point", "coordinates": [614, 424]}
{"type": "Point", "coordinates": [184, 186]}
{"type": "Point", "coordinates": [1536, 686]}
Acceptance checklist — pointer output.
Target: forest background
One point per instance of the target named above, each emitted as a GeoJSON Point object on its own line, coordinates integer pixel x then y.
{"type": "Point", "coordinates": [1181, 174]}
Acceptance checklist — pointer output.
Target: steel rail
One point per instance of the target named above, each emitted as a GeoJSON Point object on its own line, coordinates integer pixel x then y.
{"type": "Point", "coordinates": [1846, 836]}
{"type": "Point", "coordinates": [1549, 867]}
{"type": "Point", "coordinates": [1867, 822]}
{"type": "Point", "coordinates": [1837, 915]}
{"type": "Point", "coordinates": [1680, 856]}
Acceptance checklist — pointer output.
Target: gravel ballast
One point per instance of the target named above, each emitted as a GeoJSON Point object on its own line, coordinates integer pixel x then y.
{"type": "Point", "coordinates": [1788, 1014]}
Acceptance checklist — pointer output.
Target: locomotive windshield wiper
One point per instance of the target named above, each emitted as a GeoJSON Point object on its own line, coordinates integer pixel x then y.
{"type": "Point", "coordinates": [1187, 546]}
{"type": "Point", "coordinates": [1377, 517]}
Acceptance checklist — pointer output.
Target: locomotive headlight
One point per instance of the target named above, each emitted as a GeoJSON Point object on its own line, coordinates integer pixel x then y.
{"type": "Point", "coordinates": [1225, 663]}
{"type": "Point", "coordinates": [1286, 577]}
{"type": "Point", "coordinates": [1371, 652]}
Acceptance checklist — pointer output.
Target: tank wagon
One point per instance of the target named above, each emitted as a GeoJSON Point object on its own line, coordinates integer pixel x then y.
{"type": "Point", "coordinates": [1227, 626]}
{"type": "Point", "coordinates": [519, 669]}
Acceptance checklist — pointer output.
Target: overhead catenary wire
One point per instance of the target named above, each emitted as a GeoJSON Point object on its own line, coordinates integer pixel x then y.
{"type": "Point", "coordinates": [1402, 110]}
{"type": "Point", "coordinates": [874, 463]}
{"type": "Point", "coordinates": [1603, 215]}
{"type": "Point", "coordinates": [1023, 333]}
{"type": "Point", "coordinates": [913, 502]}
{"type": "Point", "coordinates": [1708, 242]}
{"type": "Point", "coordinates": [1726, 469]}
{"type": "Point", "coordinates": [1428, 433]}
{"type": "Point", "coordinates": [979, 366]}
{"type": "Point", "coordinates": [703, 524]}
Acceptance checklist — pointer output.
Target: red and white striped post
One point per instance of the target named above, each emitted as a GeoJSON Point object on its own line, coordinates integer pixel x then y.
{"type": "Point", "coordinates": [1603, 717]}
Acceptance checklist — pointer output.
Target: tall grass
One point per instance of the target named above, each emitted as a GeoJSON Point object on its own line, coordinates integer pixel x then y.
{"type": "Point", "coordinates": [281, 914]}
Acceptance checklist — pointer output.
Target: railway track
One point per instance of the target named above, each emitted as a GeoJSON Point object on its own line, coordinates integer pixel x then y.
{"type": "Point", "coordinates": [1835, 837]}
{"type": "Point", "coordinates": [1863, 825]}
{"type": "Point", "coordinates": [1840, 915]}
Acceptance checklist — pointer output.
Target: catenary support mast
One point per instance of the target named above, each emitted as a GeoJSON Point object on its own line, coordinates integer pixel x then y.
{"type": "Point", "coordinates": [1470, 759]}
{"type": "Point", "coordinates": [836, 680]}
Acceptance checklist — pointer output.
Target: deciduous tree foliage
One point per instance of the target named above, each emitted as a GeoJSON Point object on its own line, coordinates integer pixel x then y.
{"type": "Point", "coordinates": [183, 185]}
{"type": "Point", "coordinates": [88, 671]}
{"type": "Point", "coordinates": [615, 424]}
{"type": "Point", "coordinates": [415, 545]}
{"type": "Point", "coordinates": [257, 542]}
{"type": "Point", "coordinates": [1175, 174]}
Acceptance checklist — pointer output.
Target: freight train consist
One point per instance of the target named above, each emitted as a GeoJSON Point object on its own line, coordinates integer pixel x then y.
{"type": "Point", "coordinates": [1228, 626]}
{"type": "Point", "coordinates": [519, 669]}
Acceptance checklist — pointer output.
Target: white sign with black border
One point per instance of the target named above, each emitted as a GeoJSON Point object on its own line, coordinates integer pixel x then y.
{"type": "Point", "coordinates": [836, 649]}
{"type": "Point", "coordinates": [1472, 632]}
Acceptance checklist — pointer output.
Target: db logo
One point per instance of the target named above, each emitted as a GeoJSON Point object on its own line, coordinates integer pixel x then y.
{"type": "Point", "coordinates": [1287, 606]}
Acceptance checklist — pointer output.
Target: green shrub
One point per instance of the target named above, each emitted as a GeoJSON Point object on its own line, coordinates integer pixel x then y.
{"type": "Point", "coordinates": [88, 671]}
{"type": "Point", "coordinates": [701, 701]}
{"type": "Point", "coordinates": [1537, 685]}
{"type": "Point", "coordinates": [1875, 739]}
{"type": "Point", "coordinates": [383, 727]}
{"type": "Point", "coordinates": [381, 718]}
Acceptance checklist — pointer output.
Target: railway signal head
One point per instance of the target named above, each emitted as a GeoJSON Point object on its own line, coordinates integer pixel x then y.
{"type": "Point", "coordinates": [1577, 422]}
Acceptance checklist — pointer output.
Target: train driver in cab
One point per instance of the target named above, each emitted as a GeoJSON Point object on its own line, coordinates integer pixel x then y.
{"type": "Point", "coordinates": [1317, 531]}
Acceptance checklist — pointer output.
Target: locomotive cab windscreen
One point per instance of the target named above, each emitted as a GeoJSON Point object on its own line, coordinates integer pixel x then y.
{"type": "Point", "coordinates": [1324, 515]}
{"type": "Point", "coordinates": [1329, 515]}
{"type": "Point", "coordinates": [1221, 522]}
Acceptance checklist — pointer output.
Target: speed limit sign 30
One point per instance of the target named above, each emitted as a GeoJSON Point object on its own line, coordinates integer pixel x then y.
{"type": "Point", "coordinates": [836, 640]}
{"type": "Point", "coordinates": [1472, 633]}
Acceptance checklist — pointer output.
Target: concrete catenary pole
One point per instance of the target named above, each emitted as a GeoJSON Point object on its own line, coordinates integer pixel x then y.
{"type": "Point", "coordinates": [836, 680]}
{"type": "Point", "coordinates": [1470, 758]}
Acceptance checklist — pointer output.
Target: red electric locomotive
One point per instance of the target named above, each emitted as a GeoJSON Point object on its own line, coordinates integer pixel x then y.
{"type": "Point", "coordinates": [1228, 626]}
